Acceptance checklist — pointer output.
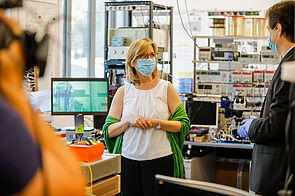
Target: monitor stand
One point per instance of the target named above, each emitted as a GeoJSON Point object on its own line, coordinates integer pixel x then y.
{"type": "Point", "coordinates": [79, 127]}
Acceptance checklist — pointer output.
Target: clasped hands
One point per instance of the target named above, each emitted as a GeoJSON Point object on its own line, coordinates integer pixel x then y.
{"type": "Point", "coordinates": [142, 123]}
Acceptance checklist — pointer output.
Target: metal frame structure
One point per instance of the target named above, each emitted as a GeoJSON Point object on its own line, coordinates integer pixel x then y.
{"type": "Point", "coordinates": [120, 64]}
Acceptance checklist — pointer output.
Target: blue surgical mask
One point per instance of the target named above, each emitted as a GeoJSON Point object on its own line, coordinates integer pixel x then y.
{"type": "Point", "coordinates": [272, 45]}
{"type": "Point", "coordinates": [146, 66]}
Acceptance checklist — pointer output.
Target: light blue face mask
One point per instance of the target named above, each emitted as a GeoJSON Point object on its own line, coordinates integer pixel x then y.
{"type": "Point", "coordinates": [146, 66]}
{"type": "Point", "coordinates": [272, 45]}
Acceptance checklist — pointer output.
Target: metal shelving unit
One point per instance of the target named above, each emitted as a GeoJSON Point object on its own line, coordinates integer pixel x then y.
{"type": "Point", "coordinates": [231, 37]}
{"type": "Point", "coordinates": [131, 9]}
{"type": "Point", "coordinates": [234, 62]}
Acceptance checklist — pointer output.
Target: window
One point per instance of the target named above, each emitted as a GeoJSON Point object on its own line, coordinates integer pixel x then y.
{"type": "Point", "coordinates": [84, 38]}
{"type": "Point", "coordinates": [79, 38]}
{"type": "Point", "coordinates": [99, 39]}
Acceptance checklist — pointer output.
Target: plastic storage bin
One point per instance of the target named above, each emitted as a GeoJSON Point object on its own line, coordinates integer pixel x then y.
{"type": "Point", "coordinates": [87, 153]}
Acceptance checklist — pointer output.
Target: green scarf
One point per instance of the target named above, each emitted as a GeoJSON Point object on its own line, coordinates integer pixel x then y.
{"type": "Point", "coordinates": [176, 140]}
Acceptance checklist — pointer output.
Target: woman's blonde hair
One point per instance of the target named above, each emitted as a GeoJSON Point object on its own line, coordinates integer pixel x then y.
{"type": "Point", "coordinates": [136, 49]}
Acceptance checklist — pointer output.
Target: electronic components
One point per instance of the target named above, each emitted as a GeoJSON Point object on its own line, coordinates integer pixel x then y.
{"type": "Point", "coordinates": [225, 47]}
{"type": "Point", "coordinates": [225, 55]}
{"type": "Point", "coordinates": [237, 76]}
{"type": "Point", "coordinates": [239, 103]}
{"type": "Point", "coordinates": [258, 76]}
{"type": "Point", "coordinates": [205, 53]}
{"type": "Point", "coordinates": [117, 52]}
{"type": "Point", "coordinates": [268, 75]}
{"type": "Point", "coordinates": [208, 88]}
{"type": "Point", "coordinates": [249, 58]}
{"type": "Point", "coordinates": [213, 76]}
{"type": "Point", "coordinates": [268, 56]}
{"type": "Point", "coordinates": [247, 77]}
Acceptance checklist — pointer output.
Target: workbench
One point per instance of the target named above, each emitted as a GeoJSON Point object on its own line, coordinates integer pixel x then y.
{"type": "Point", "coordinates": [105, 179]}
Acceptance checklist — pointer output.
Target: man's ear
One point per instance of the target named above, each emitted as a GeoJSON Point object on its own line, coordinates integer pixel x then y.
{"type": "Point", "coordinates": [280, 28]}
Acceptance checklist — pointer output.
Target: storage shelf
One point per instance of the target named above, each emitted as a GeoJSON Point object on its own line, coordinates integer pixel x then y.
{"type": "Point", "coordinates": [230, 37]}
{"type": "Point", "coordinates": [237, 83]}
{"type": "Point", "coordinates": [235, 62]}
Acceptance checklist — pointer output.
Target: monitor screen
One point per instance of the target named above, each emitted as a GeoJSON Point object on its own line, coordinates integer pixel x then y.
{"type": "Point", "coordinates": [79, 96]}
{"type": "Point", "coordinates": [204, 113]}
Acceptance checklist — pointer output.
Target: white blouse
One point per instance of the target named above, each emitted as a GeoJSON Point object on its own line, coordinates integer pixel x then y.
{"type": "Point", "coordinates": [152, 143]}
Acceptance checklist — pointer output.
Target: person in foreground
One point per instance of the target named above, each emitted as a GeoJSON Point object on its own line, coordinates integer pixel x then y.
{"type": "Point", "coordinates": [146, 124]}
{"type": "Point", "coordinates": [269, 162]}
{"type": "Point", "coordinates": [33, 159]}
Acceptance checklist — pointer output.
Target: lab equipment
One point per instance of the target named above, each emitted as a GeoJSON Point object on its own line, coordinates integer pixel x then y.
{"type": "Point", "coordinates": [205, 53]}
{"type": "Point", "coordinates": [224, 55]}
{"type": "Point", "coordinates": [249, 58]}
{"type": "Point", "coordinates": [258, 76]}
{"type": "Point", "coordinates": [117, 52]}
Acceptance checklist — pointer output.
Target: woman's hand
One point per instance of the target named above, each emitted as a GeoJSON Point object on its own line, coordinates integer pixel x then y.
{"type": "Point", "coordinates": [153, 121]}
{"type": "Point", "coordinates": [140, 122]}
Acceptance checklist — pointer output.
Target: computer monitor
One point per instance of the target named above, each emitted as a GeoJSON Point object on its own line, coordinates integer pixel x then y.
{"type": "Point", "coordinates": [79, 97]}
{"type": "Point", "coordinates": [203, 113]}
{"type": "Point", "coordinates": [72, 96]}
{"type": "Point", "coordinates": [166, 185]}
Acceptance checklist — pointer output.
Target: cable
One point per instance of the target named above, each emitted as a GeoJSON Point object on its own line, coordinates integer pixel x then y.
{"type": "Point", "coordinates": [189, 22]}
{"type": "Point", "coordinates": [142, 16]}
{"type": "Point", "coordinates": [90, 171]}
{"type": "Point", "coordinates": [190, 36]}
{"type": "Point", "coordinates": [88, 118]}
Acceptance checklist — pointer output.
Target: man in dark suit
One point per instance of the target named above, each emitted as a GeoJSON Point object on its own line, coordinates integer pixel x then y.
{"type": "Point", "coordinates": [269, 161]}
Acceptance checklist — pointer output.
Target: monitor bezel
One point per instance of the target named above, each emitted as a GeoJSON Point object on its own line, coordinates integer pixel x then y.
{"type": "Point", "coordinates": [73, 80]}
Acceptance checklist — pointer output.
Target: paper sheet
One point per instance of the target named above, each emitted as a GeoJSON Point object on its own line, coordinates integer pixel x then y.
{"type": "Point", "coordinates": [41, 100]}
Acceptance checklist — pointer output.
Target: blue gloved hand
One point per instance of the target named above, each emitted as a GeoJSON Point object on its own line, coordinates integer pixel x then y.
{"type": "Point", "coordinates": [244, 129]}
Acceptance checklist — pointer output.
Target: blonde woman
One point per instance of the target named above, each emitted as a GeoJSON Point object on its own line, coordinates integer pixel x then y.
{"type": "Point", "coordinates": [146, 124]}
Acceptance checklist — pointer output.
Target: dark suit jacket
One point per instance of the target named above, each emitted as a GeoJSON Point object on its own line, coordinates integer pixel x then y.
{"type": "Point", "coordinates": [290, 130]}
{"type": "Point", "coordinates": [269, 164]}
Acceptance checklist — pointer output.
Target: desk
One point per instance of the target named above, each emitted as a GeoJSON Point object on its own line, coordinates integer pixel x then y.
{"type": "Point", "coordinates": [232, 160]}
{"type": "Point", "coordinates": [220, 145]}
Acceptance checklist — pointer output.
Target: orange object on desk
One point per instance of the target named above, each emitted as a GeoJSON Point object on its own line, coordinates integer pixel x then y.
{"type": "Point", "coordinates": [87, 153]}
